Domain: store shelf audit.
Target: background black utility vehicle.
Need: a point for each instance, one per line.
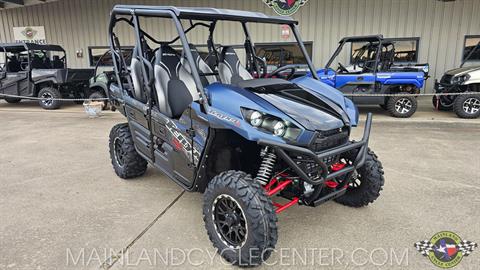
(242, 141)
(34, 70)
(464, 79)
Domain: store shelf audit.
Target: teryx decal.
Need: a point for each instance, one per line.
(224, 117)
(182, 143)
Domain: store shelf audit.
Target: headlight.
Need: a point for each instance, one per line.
(279, 129)
(256, 119)
(460, 79)
(271, 124)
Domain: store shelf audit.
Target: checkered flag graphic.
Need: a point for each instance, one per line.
(269, 2)
(424, 247)
(466, 247)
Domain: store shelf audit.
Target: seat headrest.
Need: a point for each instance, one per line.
(167, 55)
(228, 55)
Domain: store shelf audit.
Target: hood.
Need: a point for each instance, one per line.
(308, 108)
(462, 70)
(325, 91)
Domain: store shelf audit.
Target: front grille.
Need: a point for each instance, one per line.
(446, 79)
(330, 139)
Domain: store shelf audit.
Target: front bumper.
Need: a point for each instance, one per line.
(361, 147)
(445, 87)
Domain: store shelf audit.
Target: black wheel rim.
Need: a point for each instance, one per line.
(471, 105)
(47, 99)
(118, 152)
(356, 181)
(229, 220)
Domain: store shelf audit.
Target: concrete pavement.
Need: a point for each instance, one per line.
(64, 208)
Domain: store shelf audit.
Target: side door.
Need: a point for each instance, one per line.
(137, 114)
(137, 109)
(363, 86)
(14, 83)
(3, 76)
(174, 150)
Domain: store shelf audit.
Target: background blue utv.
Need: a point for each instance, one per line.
(232, 131)
(373, 71)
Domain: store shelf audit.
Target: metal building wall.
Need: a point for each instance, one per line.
(441, 26)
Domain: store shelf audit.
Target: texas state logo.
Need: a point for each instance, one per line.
(285, 7)
(445, 249)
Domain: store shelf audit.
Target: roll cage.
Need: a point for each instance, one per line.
(203, 17)
(30, 48)
(373, 39)
(470, 54)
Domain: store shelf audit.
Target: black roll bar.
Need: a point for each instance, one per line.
(188, 30)
(304, 51)
(344, 40)
(470, 54)
(167, 13)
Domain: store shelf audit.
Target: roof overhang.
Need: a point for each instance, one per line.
(7, 4)
(371, 38)
(202, 14)
(18, 47)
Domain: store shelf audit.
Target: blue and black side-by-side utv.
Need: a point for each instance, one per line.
(230, 130)
(373, 72)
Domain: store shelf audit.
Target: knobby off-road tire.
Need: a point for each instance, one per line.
(402, 107)
(467, 106)
(438, 101)
(13, 100)
(367, 183)
(234, 202)
(126, 162)
(49, 93)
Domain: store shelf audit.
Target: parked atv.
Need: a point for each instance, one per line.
(242, 141)
(460, 80)
(373, 73)
(101, 80)
(33, 70)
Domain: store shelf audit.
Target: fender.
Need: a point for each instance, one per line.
(100, 85)
(401, 78)
(474, 77)
(52, 80)
(403, 82)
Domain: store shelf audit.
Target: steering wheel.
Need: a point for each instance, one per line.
(24, 66)
(260, 66)
(366, 67)
(342, 68)
(278, 71)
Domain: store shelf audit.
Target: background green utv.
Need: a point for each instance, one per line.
(99, 84)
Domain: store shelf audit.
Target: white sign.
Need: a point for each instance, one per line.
(32, 34)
